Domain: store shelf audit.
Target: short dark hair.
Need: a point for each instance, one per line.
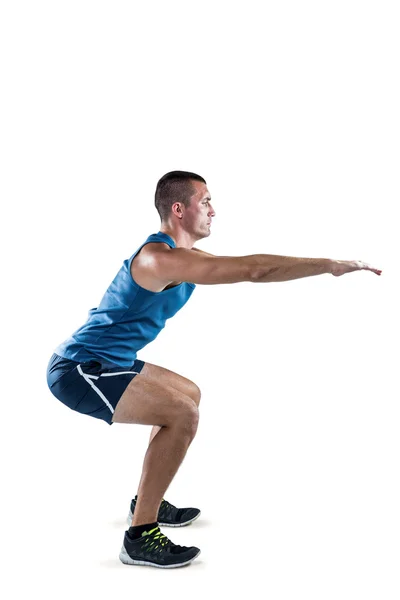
(175, 186)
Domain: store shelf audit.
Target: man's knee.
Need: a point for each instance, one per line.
(190, 419)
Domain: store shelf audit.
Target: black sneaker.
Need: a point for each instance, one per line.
(169, 515)
(154, 549)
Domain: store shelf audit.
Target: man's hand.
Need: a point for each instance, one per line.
(340, 267)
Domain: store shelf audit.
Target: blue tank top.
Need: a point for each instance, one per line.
(127, 318)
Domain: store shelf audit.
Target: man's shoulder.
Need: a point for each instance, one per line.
(143, 266)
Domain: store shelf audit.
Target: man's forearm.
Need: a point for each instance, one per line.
(271, 267)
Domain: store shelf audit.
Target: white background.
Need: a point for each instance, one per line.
(290, 111)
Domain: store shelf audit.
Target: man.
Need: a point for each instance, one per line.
(95, 370)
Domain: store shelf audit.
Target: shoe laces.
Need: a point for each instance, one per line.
(156, 541)
(159, 537)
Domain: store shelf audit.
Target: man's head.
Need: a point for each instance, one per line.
(184, 202)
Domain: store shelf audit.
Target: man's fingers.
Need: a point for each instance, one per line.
(367, 267)
(377, 271)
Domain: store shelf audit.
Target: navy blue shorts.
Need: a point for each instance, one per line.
(88, 387)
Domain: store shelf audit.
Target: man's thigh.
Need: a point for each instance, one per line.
(165, 377)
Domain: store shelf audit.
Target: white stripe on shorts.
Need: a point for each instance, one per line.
(88, 378)
(110, 374)
(119, 373)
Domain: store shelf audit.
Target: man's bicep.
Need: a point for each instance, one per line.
(182, 264)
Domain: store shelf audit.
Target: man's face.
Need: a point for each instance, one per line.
(197, 217)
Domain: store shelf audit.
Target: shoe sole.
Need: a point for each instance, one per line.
(130, 516)
(127, 560)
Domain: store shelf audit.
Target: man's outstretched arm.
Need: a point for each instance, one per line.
(282, 268)
(183, 264)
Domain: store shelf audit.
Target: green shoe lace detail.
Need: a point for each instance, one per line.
(157, 537)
